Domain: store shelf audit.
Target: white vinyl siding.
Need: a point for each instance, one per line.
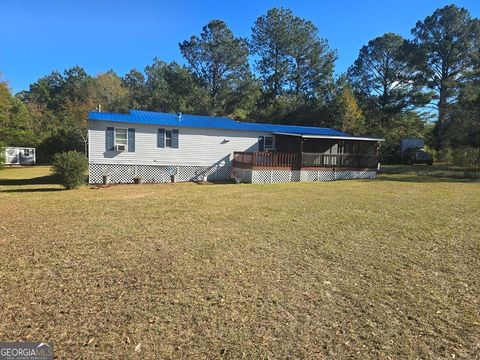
(197, 146)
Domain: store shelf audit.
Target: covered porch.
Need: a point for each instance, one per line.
(303, 151)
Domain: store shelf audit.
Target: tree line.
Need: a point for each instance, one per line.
(427, 86)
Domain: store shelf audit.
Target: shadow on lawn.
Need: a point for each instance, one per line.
(41, 180)
(424, 179)
(31, 190)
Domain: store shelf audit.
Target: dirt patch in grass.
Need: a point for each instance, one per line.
(348, 269)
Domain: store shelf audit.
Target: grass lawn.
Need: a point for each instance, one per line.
(386, 268)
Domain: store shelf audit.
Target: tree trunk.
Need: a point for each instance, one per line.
(442, 113)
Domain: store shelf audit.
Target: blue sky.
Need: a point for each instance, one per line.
(41, 36)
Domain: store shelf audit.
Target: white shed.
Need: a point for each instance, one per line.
(19, 155)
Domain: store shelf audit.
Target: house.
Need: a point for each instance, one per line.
(19, 155)
(154, 146)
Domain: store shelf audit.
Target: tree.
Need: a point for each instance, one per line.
(242, 100)
(46, 91)
(295, 67)
(16, 126)
(172, 88)
(134, 81)
(445, 43)
(383, 78)
(218, 59)
(271, 41)
(58, 104)
(346, 112)
(463, 129)
(5, 103)
(55, 89)
(403, 125)
(109, 91)
(292, 57)
(313, 60)
(75, 85)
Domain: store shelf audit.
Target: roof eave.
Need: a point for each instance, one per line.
(334, 137)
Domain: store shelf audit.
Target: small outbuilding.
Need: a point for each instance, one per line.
(410, 143)
(19, 155)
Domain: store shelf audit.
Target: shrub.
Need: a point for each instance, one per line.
(465, 156)
(443, 155)
(70, 167)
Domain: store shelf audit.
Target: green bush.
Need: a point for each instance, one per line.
(70, 167)
(443, 155)
(465, 156)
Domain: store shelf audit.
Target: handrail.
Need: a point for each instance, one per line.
(267, 159)
(279, 159)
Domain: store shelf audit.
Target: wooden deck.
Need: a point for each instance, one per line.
(251, 160)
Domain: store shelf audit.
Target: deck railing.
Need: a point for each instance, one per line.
(267, 159)
(297, 160)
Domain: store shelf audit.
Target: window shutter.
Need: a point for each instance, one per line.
(175, 138)
(161, 138)
(109, 139)
(261, 143)
(131, 140)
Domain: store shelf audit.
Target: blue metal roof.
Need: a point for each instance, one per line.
(212, 122)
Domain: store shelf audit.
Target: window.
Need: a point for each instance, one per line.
(26, 152)
(168, 138)
(268, 142)
(121, 136)
(265, 143)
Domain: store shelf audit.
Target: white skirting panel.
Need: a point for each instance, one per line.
(244, 175)
(124, 174)
(120, 174)
(266, 176)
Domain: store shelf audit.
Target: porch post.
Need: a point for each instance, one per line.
(301, 153)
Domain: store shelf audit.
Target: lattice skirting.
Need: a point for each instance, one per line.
(244, 175)
(120, 174)
(321, 175)
(275, 176)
